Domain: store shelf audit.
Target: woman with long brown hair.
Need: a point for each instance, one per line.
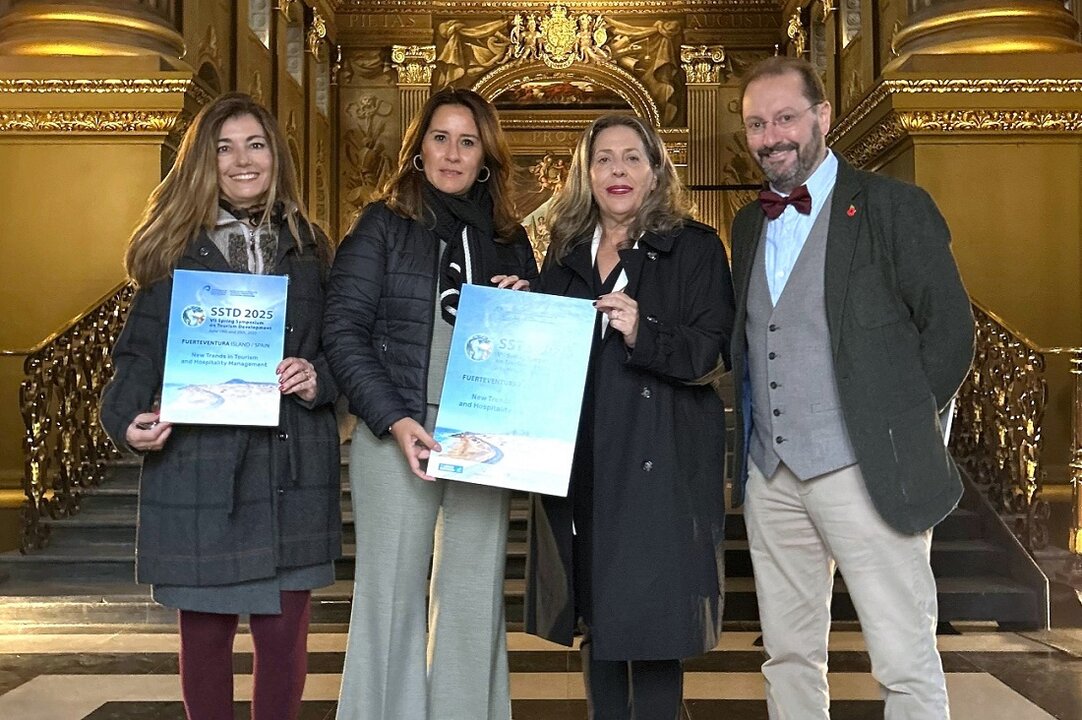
(232, 520)
(445, 219)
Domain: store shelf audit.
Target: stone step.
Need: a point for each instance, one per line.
(100, 600)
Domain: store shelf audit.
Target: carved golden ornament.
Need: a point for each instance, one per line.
(84, 86)
(77, 121)
(487, 7)
(947, 86)
(317, 33)
(797, 34)
(559, 38)
(65, 446)
(897, 125)
(828, 8)
(702, 63)
(286, 8)
(551, 173)
(414, 63)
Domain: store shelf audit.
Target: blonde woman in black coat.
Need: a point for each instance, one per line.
(631, 556)
(232, 520)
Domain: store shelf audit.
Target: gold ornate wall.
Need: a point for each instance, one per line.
(93, 100)
(550, 69)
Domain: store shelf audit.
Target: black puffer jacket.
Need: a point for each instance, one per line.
(377, 328)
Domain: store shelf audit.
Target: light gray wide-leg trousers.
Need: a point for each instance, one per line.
(398, 667)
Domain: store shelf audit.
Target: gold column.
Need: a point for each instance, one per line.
(123, 27)
(987, 26)
(414, 64)
(702, 65)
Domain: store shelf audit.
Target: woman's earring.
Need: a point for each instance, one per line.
(487, 172)
(418, 164)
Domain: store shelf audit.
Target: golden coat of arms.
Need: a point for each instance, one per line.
(559, 38)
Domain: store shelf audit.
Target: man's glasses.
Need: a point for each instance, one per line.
(784, 121)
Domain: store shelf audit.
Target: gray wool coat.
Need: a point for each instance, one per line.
(206, 512)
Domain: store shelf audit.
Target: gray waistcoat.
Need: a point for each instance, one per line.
(796, 413)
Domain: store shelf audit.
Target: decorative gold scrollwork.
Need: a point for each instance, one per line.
(702, 63)
(317, 33)
(797, 34)
(65, 447)
(414, 63)
(559, 38)
(996, 435)
(551, 173)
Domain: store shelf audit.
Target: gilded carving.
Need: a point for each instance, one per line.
(702, 63)
(286, 8)
(366, 64)
(367, 161)
(551, 173)
(897, 125)
(414, 63)
(828, 8)
(469, 51)
(317, 33)
(798, 36)
(322, 191)
(946, 86)
(83, 86)
(647, 52)
(79, 121)
(559, 38)
(624, 7)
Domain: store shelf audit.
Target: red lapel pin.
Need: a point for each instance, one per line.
(851, 211)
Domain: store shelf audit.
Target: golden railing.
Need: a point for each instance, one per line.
(64, 446)
(997, 428)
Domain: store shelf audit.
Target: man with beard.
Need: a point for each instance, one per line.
(853, 331)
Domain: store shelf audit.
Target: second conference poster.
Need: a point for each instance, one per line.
(509, 412)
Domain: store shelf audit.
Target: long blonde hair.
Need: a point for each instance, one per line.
(402, 191)
(186, 201)
(573, 214)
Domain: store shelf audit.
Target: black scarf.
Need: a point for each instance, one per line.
(461, 263)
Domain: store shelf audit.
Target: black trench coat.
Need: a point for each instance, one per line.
(659, 450)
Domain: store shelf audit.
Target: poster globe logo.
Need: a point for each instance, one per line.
(479, 348)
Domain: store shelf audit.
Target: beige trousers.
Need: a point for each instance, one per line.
(798, 533)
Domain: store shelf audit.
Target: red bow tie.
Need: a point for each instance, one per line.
(774, 204)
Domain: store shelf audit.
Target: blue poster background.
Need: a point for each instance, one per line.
(226, 338)
(512, 393)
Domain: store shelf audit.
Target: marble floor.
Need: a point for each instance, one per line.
(117, 675)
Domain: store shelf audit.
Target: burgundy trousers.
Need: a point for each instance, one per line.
(279, 664)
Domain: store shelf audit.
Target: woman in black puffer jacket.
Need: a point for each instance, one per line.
(446, 218)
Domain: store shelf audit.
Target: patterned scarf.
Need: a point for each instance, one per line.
(464, 223)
